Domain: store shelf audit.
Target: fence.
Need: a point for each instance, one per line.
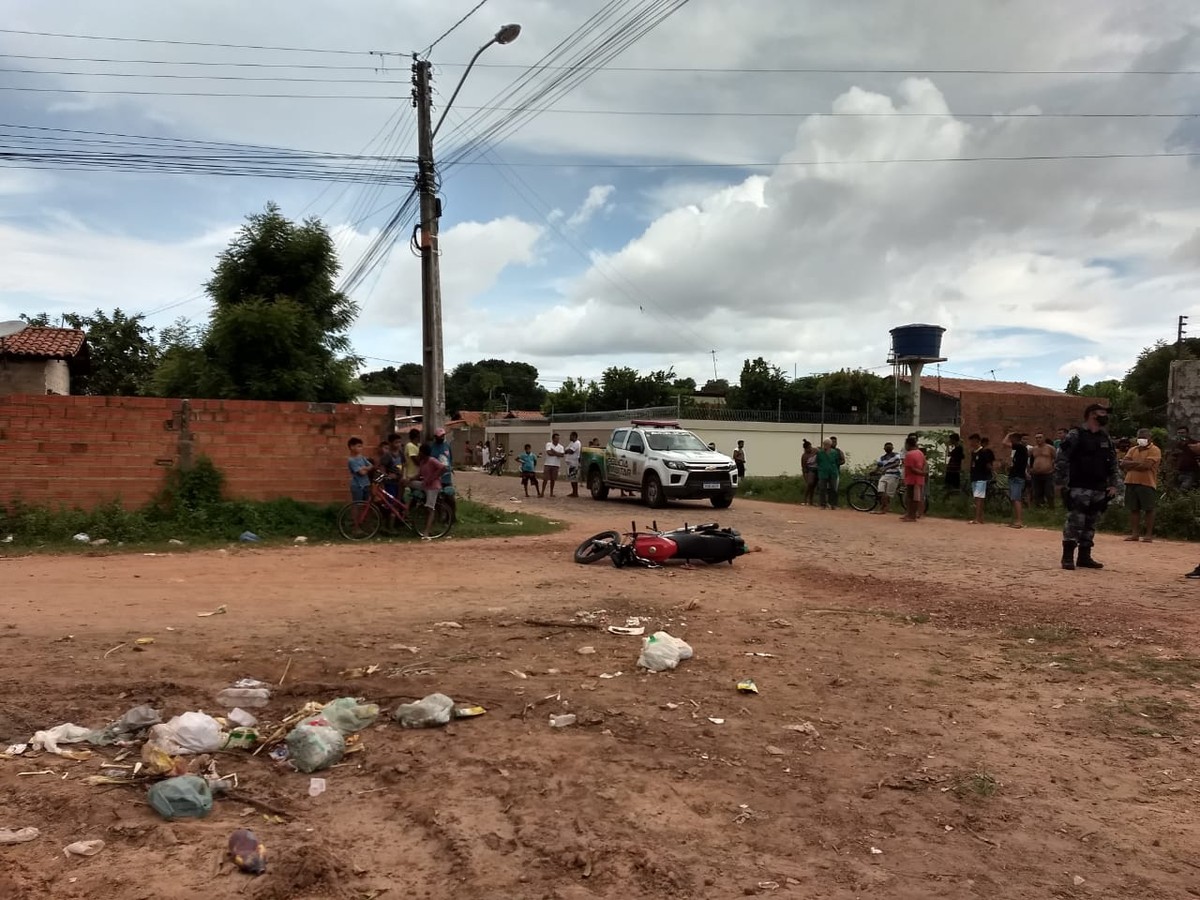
(715, 413)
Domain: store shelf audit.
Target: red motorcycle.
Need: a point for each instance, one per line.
(708, 543)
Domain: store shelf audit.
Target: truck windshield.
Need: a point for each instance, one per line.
(675, 440)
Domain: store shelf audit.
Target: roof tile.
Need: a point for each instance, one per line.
(44, 343)
(955, 387)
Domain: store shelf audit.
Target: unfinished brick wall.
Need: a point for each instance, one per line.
(996, 414)
(83, 451)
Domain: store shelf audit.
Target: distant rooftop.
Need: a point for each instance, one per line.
(44, 343)
(956, 387)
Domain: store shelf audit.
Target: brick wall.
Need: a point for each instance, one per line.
(996, 414)
(82, 451)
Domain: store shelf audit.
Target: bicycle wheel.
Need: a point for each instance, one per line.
(359, 521)
(443, 519)
(862, 495)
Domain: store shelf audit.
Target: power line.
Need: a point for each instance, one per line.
(177, 43)
(393, 98)
(449, 31)
(185, 77)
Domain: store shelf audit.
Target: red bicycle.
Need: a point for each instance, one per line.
(361, 520)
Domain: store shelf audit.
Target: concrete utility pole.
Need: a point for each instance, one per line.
(433, 370)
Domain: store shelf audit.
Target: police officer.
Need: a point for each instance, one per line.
(1086, 472)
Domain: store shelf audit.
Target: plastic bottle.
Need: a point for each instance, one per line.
(248, 852)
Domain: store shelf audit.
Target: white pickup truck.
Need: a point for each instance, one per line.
(663, 462)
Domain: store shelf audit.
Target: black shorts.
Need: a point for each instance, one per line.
(954, 479)
(529, 478)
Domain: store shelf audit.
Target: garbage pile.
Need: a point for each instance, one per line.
(183, 762)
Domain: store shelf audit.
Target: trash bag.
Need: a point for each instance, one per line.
(59, 734)
(347, 715)
(312, 747)
(134, 720)
(662, 651)
(183, 797)
(191, 732)
(434, 710)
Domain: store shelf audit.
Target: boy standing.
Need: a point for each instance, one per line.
(360, 471)
(739, 459)
(528, 461)
(429, 479)
(915, 473)
(391, 471)
(954, 462)
(983, 461)
(572, 460)
(1017, 471)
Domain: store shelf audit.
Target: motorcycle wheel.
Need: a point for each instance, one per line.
(597, 547)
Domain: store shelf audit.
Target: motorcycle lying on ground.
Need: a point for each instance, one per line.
(708, 543)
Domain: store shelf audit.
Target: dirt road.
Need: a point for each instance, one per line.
(943, 713)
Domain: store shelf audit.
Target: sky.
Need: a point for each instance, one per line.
(780, 178)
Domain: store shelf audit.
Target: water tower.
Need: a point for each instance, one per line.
(913, 346)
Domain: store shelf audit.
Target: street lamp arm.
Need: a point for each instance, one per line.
(461, 81)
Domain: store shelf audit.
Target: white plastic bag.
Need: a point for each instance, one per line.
(662, 651)
(436, 709)
(59, 734)
(191, 732)
(18, 836)
(83, 848)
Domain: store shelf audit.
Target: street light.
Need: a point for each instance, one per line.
(433, 380)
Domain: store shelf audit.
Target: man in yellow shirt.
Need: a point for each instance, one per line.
(411, 449)
(1140, 466)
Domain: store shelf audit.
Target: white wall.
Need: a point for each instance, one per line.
(771, 448)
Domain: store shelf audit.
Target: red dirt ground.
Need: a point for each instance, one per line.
(993, 726)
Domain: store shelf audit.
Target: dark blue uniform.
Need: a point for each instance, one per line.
(1084, 469)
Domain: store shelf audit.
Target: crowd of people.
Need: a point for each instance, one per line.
(427, 469)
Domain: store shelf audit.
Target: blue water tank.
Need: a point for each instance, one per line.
(917, 341)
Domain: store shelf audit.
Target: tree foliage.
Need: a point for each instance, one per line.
(279, 328)
(483, 385)
(404, 380)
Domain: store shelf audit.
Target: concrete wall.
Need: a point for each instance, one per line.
(771, 448)
(34, 376)
(1183, 395)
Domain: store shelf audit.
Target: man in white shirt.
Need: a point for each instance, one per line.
(554, 457)
(572, 460)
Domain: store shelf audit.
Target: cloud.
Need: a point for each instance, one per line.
(1091, 369)
(595, 202)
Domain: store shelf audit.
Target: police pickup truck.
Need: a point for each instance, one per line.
(661, 461)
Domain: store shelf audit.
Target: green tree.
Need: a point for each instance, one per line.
(575, 395)
(761, 386)
(483, 385)
(122, 352)
(1072, 386)
(404, 380)
(279, 327)
(1148, 378)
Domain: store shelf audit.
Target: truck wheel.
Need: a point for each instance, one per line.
(652, 492)
(597, 486)
(722, 502)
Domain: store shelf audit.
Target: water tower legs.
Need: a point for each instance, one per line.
(914, 369)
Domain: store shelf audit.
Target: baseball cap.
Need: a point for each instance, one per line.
(440, 432)
(1096, 407)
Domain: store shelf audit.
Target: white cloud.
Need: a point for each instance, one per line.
(1093, 368)
(595, 202)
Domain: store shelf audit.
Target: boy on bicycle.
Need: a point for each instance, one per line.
(429, 480)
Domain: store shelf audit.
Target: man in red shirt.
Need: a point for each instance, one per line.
(914, 479)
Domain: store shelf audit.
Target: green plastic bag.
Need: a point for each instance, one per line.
(348, 716)
(184, 797)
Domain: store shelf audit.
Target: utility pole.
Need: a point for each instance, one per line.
(1179, 336)
(433, 385)
(714, 356)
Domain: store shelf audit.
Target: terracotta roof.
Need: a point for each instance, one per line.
(955, 387)
(44, 343)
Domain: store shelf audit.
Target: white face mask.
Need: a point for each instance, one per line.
(1143, 442)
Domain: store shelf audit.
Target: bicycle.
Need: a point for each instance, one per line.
(863, 495)
(360, 520)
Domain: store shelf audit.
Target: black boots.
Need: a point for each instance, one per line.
(1068, 560)
(1085, 559)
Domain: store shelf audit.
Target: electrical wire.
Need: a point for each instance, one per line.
(177, 43)
(449, 31)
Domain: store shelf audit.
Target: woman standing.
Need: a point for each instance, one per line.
(828, 466)
(808, 466)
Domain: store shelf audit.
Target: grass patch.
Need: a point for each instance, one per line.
(1179, 670)
(783, 489)
(977, 784)
(191, 509)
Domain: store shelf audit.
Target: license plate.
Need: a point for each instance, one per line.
(712, 485)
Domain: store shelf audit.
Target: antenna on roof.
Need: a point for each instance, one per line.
(7, 328)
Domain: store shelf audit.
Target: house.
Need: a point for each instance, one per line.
(995, 408)
(37, 360)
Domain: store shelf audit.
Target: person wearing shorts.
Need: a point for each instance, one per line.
(429, 480)
(572, 460)
(528, 463)
(552, 463)
(983, 460)
(915, 476)
(1018, 472)
(889, 467)
(1140, 466)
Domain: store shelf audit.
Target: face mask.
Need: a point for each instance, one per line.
(1143, 442)
(1101, 420)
